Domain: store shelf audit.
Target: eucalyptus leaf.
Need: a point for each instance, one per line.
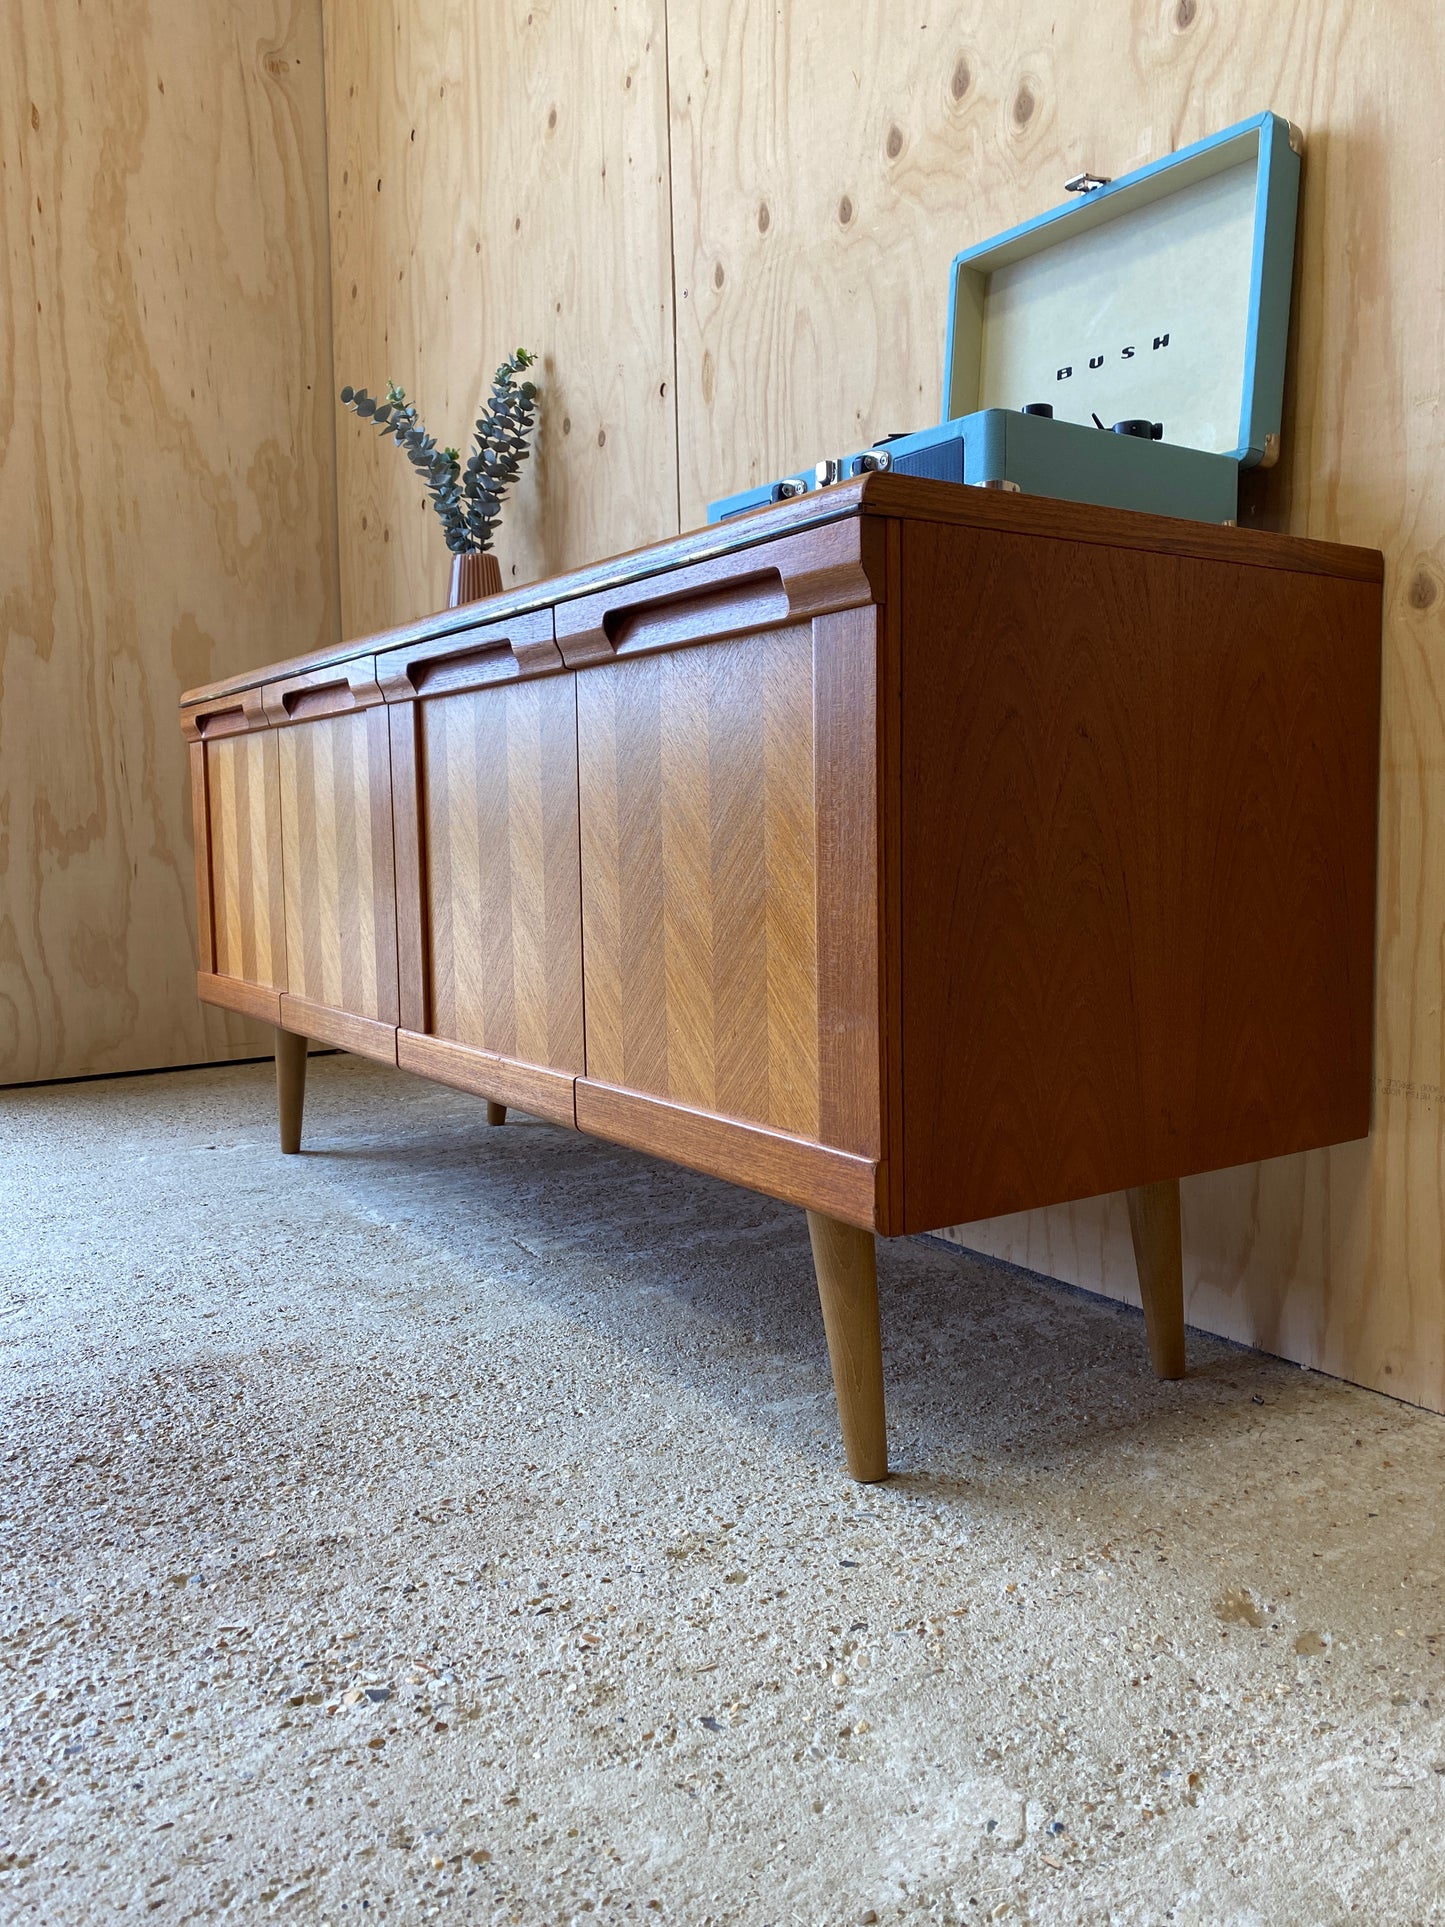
(467, 497)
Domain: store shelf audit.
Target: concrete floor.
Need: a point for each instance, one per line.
(450, 1523)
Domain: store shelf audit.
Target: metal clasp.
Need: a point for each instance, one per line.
(1087, 183)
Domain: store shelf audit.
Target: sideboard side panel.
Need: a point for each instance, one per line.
(1139, 841)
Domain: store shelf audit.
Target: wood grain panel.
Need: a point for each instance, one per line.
(338, 863)
(890, 868)
(166, 482)
(243, 790)
(1138, 921)
(411, 906)
(201, 838)
(499, 175)
(847, 670)
(827, 165)
(699, 837)
(499, 828)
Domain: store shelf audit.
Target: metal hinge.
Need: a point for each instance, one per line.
(1086, 183)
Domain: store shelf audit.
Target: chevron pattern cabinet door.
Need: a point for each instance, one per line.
(338, 864)
(499, 826)
(715, 848)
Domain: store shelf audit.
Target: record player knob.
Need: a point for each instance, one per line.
(1145, 431)
(1043, 408)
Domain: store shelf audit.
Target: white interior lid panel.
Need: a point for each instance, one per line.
(1176, 271)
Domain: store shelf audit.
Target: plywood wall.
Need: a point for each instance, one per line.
(166, 481)
(499, 178)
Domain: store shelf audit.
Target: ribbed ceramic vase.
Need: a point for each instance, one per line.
(473, 577)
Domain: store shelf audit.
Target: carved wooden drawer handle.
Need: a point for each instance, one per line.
(751, 602)
(521, 645)
(335, 691)
(792, 579)
(228, 716)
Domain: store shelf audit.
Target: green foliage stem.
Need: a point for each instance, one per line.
(467, 499)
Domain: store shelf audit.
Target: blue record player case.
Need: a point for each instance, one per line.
(1155, 306)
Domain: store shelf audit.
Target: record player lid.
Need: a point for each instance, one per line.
(1165, 293)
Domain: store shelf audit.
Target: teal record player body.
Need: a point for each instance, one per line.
(1126, 348)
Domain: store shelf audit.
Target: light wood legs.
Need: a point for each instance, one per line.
(845, 1262)
(496, 1113)
(290, 1086)
(1154, 1222)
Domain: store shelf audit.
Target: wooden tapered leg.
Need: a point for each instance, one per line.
(846, 1263)
(496, 1113)
(1154, 1223)
(290, 1086)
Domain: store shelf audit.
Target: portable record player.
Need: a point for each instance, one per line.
(1126, 348)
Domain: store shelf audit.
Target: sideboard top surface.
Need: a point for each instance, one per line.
(892, 496)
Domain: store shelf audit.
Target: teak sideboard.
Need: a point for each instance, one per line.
(910, 853)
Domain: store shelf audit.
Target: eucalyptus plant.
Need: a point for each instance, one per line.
(468, 499)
